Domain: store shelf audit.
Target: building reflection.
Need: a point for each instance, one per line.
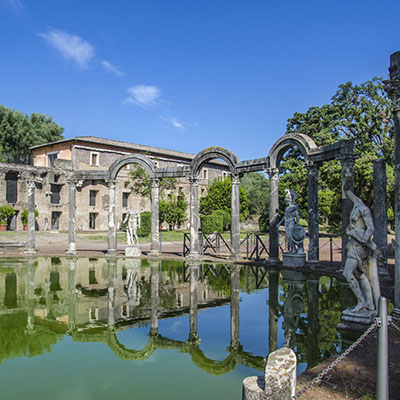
(91, 300)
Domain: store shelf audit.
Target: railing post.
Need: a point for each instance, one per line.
(160, 240)
(247, 247)
(331, 248)
(382, 381)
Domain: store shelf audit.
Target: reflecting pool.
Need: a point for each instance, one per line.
(103, 328)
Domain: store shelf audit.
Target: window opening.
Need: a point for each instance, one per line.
(92, 197)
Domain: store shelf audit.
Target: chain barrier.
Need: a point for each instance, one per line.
(319, 377)
(326, 243)
(392, 323)
(339, 248)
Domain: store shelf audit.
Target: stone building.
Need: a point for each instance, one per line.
(54, 163)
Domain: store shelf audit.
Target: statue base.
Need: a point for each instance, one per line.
(294, 260)
(356, 321)
(133, 251)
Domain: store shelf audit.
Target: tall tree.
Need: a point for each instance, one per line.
(256, 186)
(20, 131)
(359, 112)
(219, 198)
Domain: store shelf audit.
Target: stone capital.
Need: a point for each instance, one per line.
(272, 172)
(31, 183)
(235, 179)
(392, 88)
(72, 183)
(154, 182)
(194, 180)
(111, 183)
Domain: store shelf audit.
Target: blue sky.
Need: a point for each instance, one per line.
(188, 74)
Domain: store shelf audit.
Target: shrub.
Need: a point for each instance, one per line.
(145, 224)
(5, 213)
(226, 218)
(263, 222)
(211, 223)
(24, 215)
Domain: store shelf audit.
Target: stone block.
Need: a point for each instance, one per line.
(294, 260)
(133, 251)
(279, 380)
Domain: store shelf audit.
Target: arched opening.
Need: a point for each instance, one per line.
(291, 152)
(121, 200)
(198, 176)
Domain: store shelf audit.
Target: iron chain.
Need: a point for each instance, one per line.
(391, 322)
(319, 377)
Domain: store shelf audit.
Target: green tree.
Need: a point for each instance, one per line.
(219, 198)
(140, 183)
(172, 209)
(359, 112)
(256, 186)
(20, 131)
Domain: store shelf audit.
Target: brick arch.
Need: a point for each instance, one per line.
(303, 142)
(211, 153)
(145, 162)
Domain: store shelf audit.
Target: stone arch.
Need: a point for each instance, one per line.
(145, 162)
(129, 354)
(211, 153)
(303, 142)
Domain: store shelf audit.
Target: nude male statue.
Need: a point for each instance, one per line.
(360, 269)
(133, 219)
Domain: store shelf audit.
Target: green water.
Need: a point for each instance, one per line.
(100, 329)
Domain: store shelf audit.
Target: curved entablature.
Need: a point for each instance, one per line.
(143, 161)
(212, 153)
(198, 357)
(303, 142)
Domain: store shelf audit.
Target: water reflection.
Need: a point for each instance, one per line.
(92, 300)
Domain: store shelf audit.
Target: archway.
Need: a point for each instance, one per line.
(307, 147)
(149, 167)
(196, 165)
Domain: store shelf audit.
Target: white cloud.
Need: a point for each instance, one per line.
(72, 47)
(175, 123)
(144, 96)
(16, 5)
(112, 68)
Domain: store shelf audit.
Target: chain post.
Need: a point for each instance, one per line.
(335, 362)
(382, 378)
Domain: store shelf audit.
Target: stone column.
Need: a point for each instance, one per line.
(235, 299)
(273, 214)
(235, 216)
(380, 213)
(155, 223)
(30, 295)
(154, 281)
(71, 251)
(313, 321)
(30, 248)
(194, 217)
(194, 284)
(112, 277)
(347, 163)
(71, 294)
(112, 229)
(392, 87)
(313, 215)
(273, 278)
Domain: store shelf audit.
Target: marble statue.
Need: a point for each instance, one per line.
(294, 232)
(133, 220)
(360, 269)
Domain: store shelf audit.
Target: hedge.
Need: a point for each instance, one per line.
(226, 218)
(212, 223)
(145, 224)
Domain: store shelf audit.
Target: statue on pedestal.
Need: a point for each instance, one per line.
(294, 232)
(360, 269)
(133, 223)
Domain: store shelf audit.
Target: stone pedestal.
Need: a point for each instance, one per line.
(133, 251)
(279, 380)
(294, 260)
(356, 321)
